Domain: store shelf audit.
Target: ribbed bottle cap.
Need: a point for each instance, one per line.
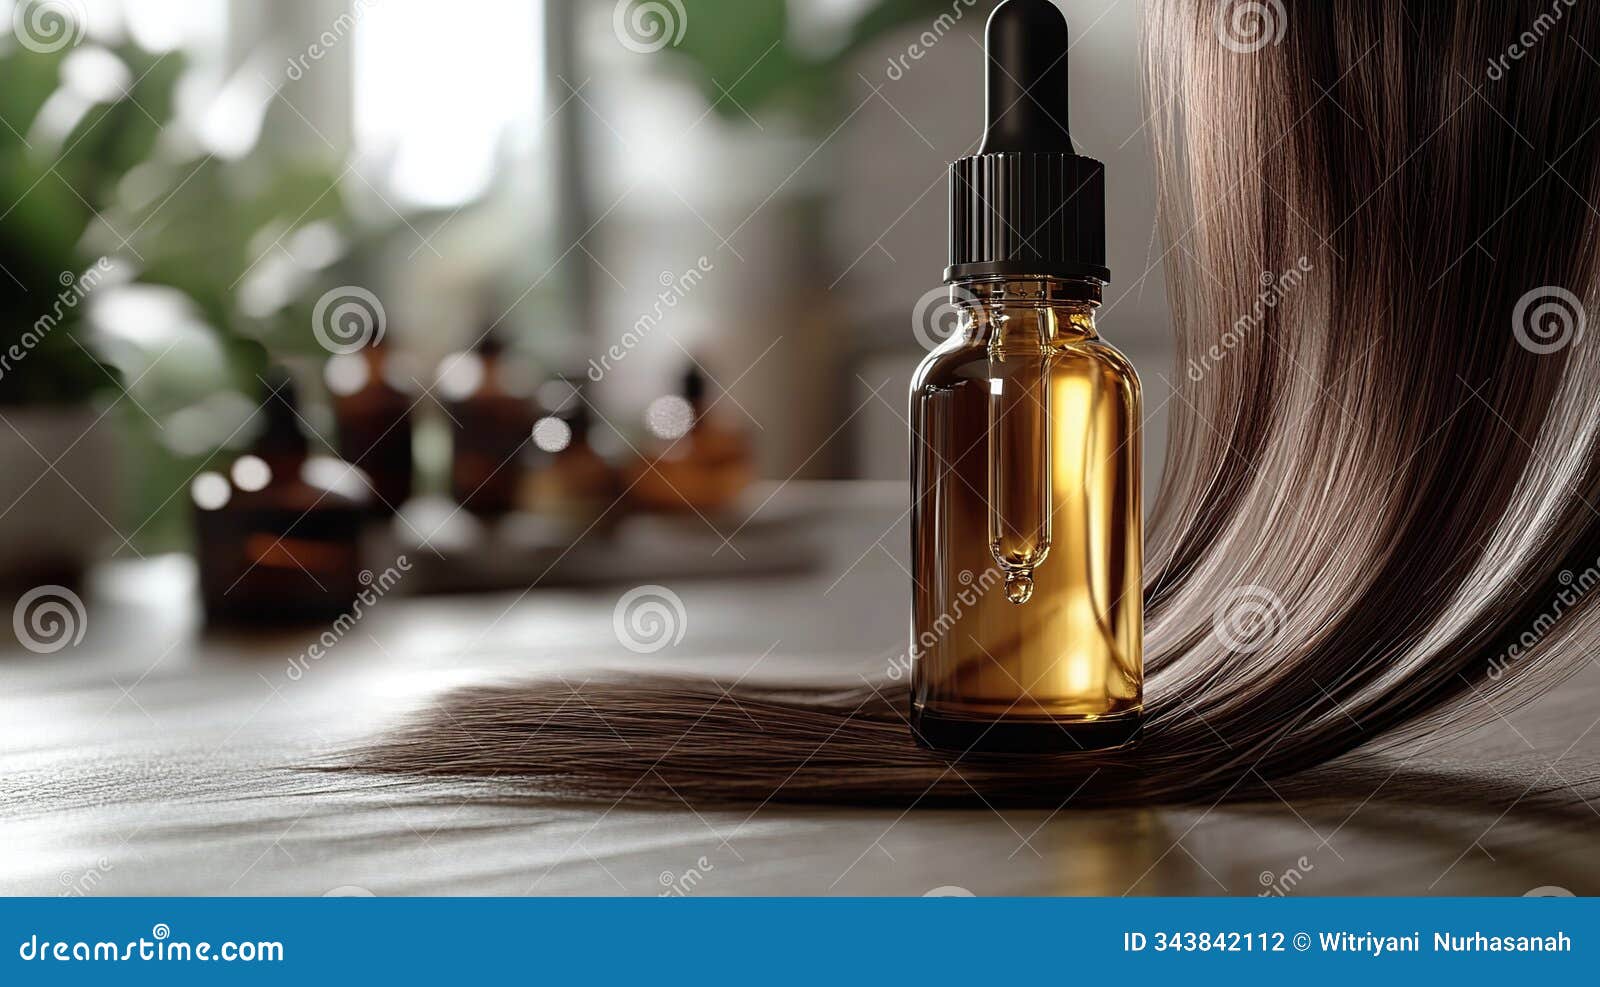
(1025, 204)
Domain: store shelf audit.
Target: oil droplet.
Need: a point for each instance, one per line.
(1019, 586)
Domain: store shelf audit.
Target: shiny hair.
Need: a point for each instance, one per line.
(1378, 515)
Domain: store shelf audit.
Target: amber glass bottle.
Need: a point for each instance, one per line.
(491, 418)
(372, 402)
(569, 480)
(699, 460)
(280, 533)
(1027, 536)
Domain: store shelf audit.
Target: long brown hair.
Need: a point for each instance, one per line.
(1379, 511)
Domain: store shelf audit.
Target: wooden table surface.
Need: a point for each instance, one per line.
(153, 758)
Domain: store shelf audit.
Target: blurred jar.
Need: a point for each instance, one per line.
(695, 461)
(486, 395)
(373, 397)
(570, 479)
(279, 534)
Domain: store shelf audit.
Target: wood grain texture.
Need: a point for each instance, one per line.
(155, 759)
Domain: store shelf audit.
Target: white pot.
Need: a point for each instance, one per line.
(58, 491)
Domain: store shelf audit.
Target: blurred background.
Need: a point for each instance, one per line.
(556, 287)
(353, 351)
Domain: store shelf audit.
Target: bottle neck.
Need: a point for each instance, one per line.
(1042, 310)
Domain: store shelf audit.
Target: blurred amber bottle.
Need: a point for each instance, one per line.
(491, 419)
(279, 534)
(570, 479)
(698, 461)
(372, 404)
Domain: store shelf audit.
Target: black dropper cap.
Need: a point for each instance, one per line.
(281, 434)
(1025, 204)
(694, 385)
(490, 343)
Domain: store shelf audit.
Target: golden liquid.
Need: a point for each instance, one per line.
(1027, 534)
